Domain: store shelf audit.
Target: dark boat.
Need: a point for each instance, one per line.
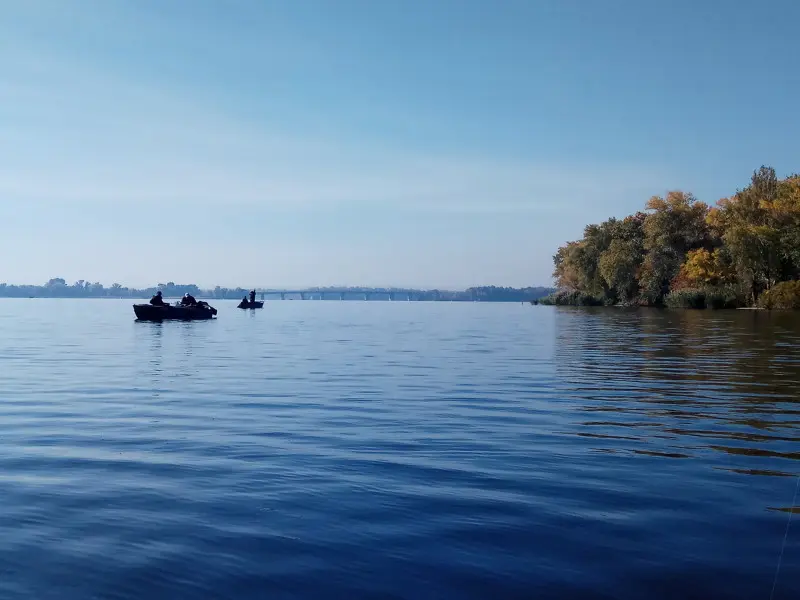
(149, 312)
(248, 304)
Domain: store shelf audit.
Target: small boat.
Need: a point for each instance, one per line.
(248, 304)
(150, 312)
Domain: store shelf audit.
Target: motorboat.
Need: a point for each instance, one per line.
(174, 312)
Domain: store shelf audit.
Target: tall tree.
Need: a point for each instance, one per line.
(621, 263)
(674, 225)
(750, 232)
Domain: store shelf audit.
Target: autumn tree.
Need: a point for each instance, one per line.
(786, 218)
(750, 232)
(567, 272)
(704, 268)
(674, 225)
(620, 263)
(577, 263)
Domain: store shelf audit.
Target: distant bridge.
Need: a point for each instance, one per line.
(348, 293)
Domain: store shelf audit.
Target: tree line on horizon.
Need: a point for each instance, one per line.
(680, 252)
(59, 288)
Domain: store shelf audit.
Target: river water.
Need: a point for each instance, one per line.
(397, 450)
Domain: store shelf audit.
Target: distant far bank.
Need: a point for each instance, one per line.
(58, 288)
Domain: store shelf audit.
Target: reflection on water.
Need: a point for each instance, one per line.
(711, 400)
(397, 450)
(682, 384)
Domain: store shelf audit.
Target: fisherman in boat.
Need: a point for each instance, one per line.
(188, 300)
(252, 296)
(157, 300)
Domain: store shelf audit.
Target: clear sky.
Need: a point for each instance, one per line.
(431, 143)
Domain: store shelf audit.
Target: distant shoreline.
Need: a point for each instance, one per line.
(57, 288)
(211, 298)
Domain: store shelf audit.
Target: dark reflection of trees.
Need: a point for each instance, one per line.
(671, 383)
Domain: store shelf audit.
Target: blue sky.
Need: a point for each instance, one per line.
(440, 143)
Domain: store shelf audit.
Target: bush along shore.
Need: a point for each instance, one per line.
(682, 253)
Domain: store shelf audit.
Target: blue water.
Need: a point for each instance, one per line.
(397, 450)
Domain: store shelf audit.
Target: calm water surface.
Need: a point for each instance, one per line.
(397, 450)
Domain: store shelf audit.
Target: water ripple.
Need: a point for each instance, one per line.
(396, 450)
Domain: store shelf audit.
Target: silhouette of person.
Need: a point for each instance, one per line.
(157, 300)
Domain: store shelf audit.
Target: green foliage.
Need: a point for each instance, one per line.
(621, 262)
(571, 298)
(686, 298)
(784, 296)
(683, 253)
(709, 297)
(728, 296)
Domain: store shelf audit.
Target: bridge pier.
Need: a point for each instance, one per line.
(391, 296)
(302, 295)
(366, 296)
(283, 296)
(408, 296)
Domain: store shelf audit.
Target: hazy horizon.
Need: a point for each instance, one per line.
(425, 145)
(208, 287)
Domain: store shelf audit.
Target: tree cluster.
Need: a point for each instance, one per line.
(682, 252)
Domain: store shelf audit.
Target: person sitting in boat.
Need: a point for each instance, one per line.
(252, 296)
(157, 300)
(188, 300)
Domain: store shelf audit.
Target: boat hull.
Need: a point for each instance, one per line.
(256, 304)
(148, 312)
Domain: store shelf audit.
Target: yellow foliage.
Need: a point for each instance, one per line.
(705, 268)
(717, 217)
(788, 197)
